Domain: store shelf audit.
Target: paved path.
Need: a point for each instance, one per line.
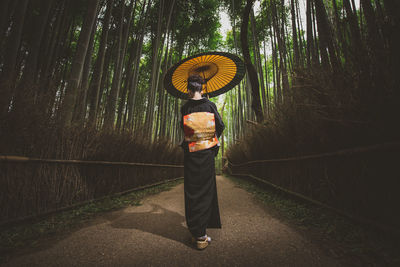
(154, 234)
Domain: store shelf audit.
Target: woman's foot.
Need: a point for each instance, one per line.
(202, 242)
(194, 239)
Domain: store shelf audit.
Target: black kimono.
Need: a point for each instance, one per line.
(201, 201)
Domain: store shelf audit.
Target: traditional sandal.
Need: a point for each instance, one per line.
(202, 243)
(194, 239)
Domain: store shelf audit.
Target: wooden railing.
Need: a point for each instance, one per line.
(35, 187)
(359, 183)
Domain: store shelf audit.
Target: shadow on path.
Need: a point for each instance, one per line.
(158, 221)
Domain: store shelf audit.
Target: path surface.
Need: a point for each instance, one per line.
(155, 234)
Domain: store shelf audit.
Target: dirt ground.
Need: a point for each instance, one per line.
(155, 234)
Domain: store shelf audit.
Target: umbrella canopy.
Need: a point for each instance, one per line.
(221, 72)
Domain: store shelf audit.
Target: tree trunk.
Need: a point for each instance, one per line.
(9, 72)
(325, 36)
(256, 103)
(104, 85)
(301, 36)
(283, 53)
(154, 74)
(135, 77)
(357, 46)
(310, 41)
(67, 108)
(4, 16)
(94, 88)
(26, 88)
(123, 106)
(55, 38)
(266, 81)
(257, 58)
(165, 95)
(80, 107)
(49, 81)
(109, 116)
(275, 70)
(374, 38)
(122, 99)
(296, 53)
(160, 114)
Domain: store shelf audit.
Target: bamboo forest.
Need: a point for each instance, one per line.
(311, 129)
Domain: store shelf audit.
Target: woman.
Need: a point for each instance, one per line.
(202, 126)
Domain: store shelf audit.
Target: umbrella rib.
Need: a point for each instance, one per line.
(211, 84)
(212, 57)
(220, 80)
(225, 79)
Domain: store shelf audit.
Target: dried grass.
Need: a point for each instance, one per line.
(326, 113)
(33, 188)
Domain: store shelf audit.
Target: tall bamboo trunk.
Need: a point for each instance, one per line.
(267, 111)
(8, 74)
(135, 77)
(26, 87)
(94, 88)
(67, 108)
(124, 100)
(296, 52)
(4, 16)
(357, 46)
(257, 58)
(124, 88)
(165, 96)
(110, 110)
(310, 41)
(154, 74)
(80, 105)
(256, 103)
(325, 37)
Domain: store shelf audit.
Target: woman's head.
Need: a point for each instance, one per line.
(195, 83)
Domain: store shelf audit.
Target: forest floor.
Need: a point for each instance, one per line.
(154, 233)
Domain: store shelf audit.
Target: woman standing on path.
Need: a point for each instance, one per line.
(202, 126)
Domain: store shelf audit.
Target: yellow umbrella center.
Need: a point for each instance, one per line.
(216, 70)
(205, 69)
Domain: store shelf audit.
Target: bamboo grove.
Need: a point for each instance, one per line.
(83, 80)
(99, 63)
(329, 93)
(327, 76)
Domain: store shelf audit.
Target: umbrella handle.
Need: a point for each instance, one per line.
(208, 96)
(205, 85)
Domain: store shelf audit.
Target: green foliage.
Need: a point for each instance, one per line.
(196, 25)
(235, 8)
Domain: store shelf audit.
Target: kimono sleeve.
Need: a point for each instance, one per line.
(219, 124)
(183, 143)
(181, 118)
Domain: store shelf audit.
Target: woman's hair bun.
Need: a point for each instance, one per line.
(195, 83)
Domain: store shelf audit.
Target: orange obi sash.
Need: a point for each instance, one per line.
(199, 128)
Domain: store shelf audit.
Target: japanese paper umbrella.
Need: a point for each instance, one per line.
(221, 72)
